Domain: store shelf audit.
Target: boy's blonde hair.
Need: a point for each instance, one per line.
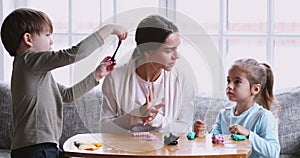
(19, 22)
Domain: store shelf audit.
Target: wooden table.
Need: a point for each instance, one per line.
(125, 145)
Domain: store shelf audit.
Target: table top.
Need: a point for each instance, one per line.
(126, 145)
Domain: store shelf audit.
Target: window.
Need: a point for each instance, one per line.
(267, 30)
(247, 16)
(226, 30)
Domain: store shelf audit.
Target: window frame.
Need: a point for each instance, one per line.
(222, 35)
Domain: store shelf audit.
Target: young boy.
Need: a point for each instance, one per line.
(37, 98)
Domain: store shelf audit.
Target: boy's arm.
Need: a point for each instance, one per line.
(76, 91)
(41, 62)
(71, 93)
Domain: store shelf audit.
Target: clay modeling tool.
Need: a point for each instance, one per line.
(113, 57)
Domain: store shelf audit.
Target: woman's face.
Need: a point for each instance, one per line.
(166, 55)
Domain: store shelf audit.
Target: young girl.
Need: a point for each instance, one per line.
(250, 85)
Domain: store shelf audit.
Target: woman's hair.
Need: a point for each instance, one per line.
(151, 32)
(260, 73)
(19, 22)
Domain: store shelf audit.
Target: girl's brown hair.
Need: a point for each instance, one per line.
(260, 73)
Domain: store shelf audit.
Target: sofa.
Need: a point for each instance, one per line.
(82, 116)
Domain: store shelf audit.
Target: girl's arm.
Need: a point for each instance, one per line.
(265, 141)
(217, 129)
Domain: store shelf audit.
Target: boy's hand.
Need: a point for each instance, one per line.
(120, 31)
(104, 68)
(113, 29)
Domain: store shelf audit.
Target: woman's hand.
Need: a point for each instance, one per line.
(149, 110)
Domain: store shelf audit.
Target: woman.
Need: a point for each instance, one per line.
(150, 92)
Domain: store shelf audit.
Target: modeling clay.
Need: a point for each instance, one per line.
(139, 134)
(238, 137)
(191, 135)
(217, 138)
(87, 146)
(144, 135)
(171, 139)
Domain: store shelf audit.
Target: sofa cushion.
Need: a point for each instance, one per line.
(207, 107)
(4, 153)
(5, 116)
(289, 117)
(82, 116)
(288, 156)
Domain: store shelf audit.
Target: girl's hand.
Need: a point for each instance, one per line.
(238, 129)
(104, 68)
(200, 127)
